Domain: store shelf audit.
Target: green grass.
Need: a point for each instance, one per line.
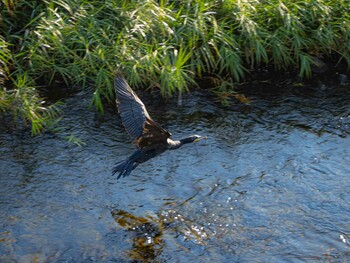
(164, 44)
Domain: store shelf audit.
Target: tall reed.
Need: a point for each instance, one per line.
(165, 44)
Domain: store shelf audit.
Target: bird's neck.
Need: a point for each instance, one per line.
(186, 140)
(177, 144)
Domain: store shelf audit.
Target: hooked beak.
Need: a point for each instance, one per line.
(200, 138)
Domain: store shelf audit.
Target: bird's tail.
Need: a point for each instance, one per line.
(124, 168)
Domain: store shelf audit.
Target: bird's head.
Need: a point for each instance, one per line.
(189, 139)
(197, 138)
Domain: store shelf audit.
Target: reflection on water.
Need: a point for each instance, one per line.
(147, 238)
(270, 185)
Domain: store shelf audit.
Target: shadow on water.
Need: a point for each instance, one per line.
(270, 185)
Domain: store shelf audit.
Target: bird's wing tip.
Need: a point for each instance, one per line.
(118, 75)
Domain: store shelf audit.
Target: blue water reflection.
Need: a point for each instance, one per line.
(270, 185)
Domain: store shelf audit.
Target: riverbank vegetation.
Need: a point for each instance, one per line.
(164, 44)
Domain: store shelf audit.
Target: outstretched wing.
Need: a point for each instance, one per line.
(136, 120)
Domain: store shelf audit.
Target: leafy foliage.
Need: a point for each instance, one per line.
(167, 44)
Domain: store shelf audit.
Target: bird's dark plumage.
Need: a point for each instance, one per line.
(150, 138)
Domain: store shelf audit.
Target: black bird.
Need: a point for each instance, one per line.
(150, 138)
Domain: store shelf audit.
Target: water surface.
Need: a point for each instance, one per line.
(272, 184)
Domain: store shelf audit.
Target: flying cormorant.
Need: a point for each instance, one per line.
(149, 137)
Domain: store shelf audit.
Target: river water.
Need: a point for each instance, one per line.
(271, 184)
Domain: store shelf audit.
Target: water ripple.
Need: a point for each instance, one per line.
(270, 184)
